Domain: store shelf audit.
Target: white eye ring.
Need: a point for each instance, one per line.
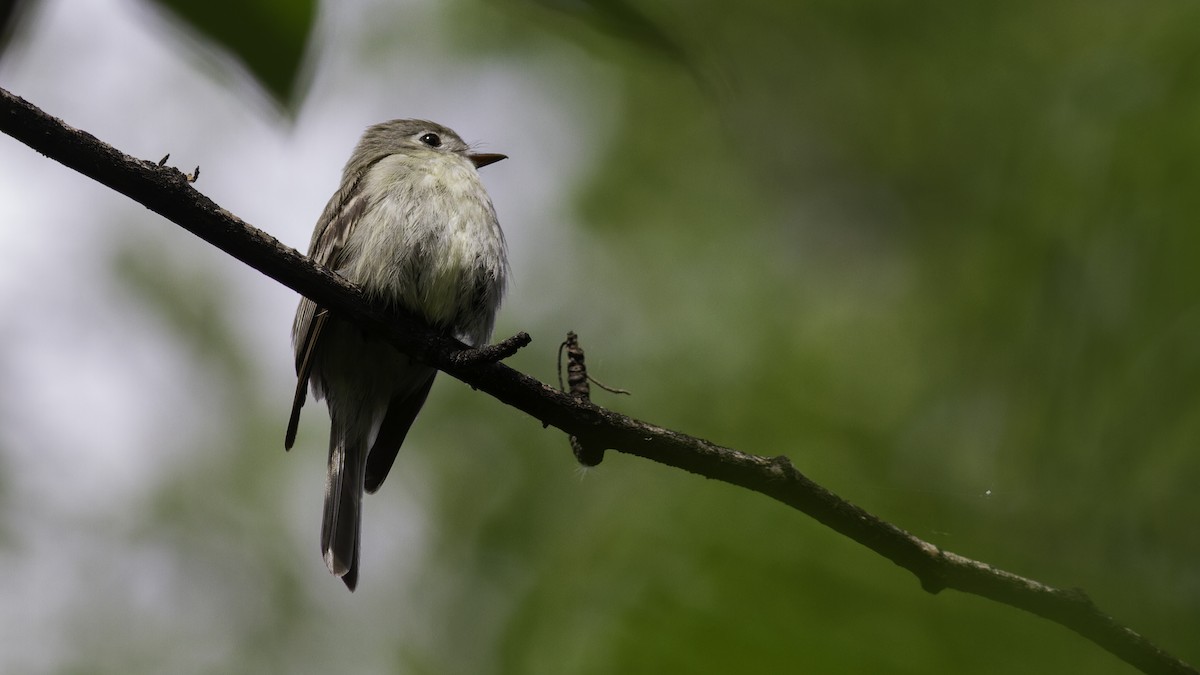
(431, 139)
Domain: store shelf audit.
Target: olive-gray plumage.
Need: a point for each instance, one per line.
(412, 225)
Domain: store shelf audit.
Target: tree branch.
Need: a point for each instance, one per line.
(166, 191)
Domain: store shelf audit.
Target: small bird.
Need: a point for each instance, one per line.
(413, 227)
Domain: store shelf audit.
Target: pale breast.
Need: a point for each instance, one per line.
(431, 243)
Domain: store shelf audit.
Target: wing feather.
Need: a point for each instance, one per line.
(327, 248)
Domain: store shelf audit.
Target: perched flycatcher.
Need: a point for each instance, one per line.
(413, 227)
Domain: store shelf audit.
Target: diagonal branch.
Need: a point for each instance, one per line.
(166, 191)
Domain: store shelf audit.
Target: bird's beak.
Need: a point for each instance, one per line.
(483, 159)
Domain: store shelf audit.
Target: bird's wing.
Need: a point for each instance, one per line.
(401, 412)
(327, 248)
(306, 346)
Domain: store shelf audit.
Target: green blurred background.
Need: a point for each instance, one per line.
(942, 255)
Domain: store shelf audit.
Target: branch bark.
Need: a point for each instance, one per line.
(167, 191)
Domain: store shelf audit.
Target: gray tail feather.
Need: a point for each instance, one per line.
(340, 527)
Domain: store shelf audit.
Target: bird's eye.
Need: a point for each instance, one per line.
(432, 140)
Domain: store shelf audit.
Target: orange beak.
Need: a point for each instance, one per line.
(483, 159)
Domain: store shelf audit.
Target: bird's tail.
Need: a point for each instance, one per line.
(343, 501)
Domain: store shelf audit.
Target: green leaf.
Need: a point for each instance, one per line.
(12, 17)
(268, 37)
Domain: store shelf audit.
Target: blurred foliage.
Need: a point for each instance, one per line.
(623, 21)
(940, 254)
